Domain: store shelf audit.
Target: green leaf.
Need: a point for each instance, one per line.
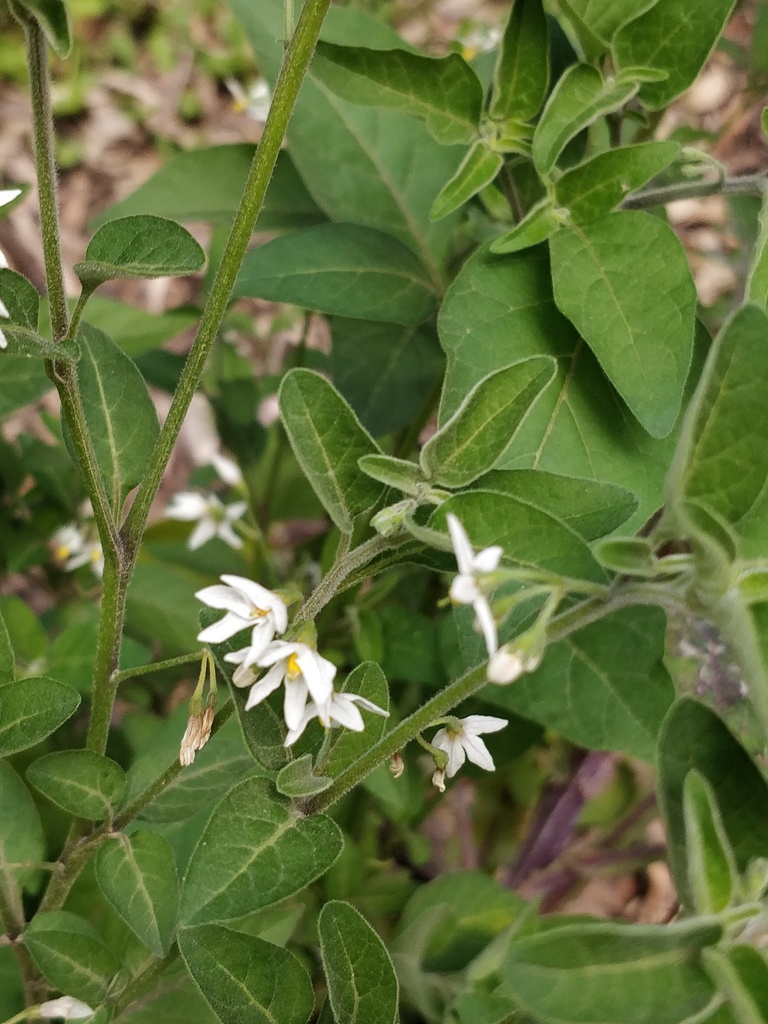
(603, 973)
(585, 42)
(478, 169)
(639, 325)
(137, 875)
(20, 298)
(694, 738)
(53, 18)
(498, 311)
(539, 223)
(528, 535)
(599, 184)
(21, 837)
(208, 184)
(244, 979)
(741, 974)
(367, 680)
(22, 380)
(756, 290)
(711, 867)
(675, 36)
(362, 984)
(71, 955)
(342, 269)
(82, 782)
(372, 362)
(139, 246)
(605, 687)
(578, 99)
(606, 19)
(7, 661)
(722, 459)
(119, 413)
(24, 342)
(590, 507)
(630, 556)
(31, 709)
(298, 779)
(478, 434)
(405, 476)
(521, 74)
(255, 850)
(359, 162)
(328, 440)
(444, 91)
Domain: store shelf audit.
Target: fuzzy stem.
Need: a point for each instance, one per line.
(297, 58)
(749, 184)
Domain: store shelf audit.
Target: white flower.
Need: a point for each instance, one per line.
(465, 588)
(466, 743)
(339, 709)
(213, 518)
(74, 546)
(510, 662)
(255, 102)
(247, 604)
(304, 672)
(64, 1008)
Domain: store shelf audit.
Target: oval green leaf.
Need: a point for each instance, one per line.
(539, 223)
(521, 74)
(640, 326)
(473, 440)
(137, 875)
(328, 440)
(362, 984)
(298, 779)
(21, 837)
(244, 979)
(20, 298)
(31, 709)
(82, 782)
(711, 866)
(71, 955)
(405, 476)
(341, 269)
(139, 246)
(478, 169)
(254, 851)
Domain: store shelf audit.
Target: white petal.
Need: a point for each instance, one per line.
(461, 546)
(505, 666)
(226, 597)
(487, 624)
(227, 469)
(3, 340)
(261, 690)
(367, 704)
(446, 741)
(475, 724)
(7, 195)
(261, 637)
(318, 674)
(295, 702)
(293, 734)
(187, 506)
(257, 596)
(65, 1007)
(278, 650)
(222, 630)
(202, 533)
(236, 657)
(477, 752)
(464, 590)
(235, 510)
(345, 713)
(228, 535)
(487, 560)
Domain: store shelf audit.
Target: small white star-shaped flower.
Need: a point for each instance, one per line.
(466, 743)
(212, 517)
(466, 587)
(339, 709)
(303, 671)
(248, 605)
(255, 102)
(74, 546)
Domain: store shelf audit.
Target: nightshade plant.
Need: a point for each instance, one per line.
(487, 240)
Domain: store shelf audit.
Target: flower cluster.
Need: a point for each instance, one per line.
(306, 676)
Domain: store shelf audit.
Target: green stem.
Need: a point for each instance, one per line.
(108, 642)
(45, 164)
(143, 980)
(297, 58)
(157, 666)
(749, 184)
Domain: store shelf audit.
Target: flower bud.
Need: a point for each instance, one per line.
(396, 764)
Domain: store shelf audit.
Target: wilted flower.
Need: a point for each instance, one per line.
(213, 518)
(396, 764)
(465, 743)
(339, 709)
(438, 779)
(300, 668)
(255, 102)
(247, 604)
(196, 735)
(64, 1008)
(74, 546)
(466, 587)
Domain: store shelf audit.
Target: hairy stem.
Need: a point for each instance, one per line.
(749, 184)
(297, 58)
